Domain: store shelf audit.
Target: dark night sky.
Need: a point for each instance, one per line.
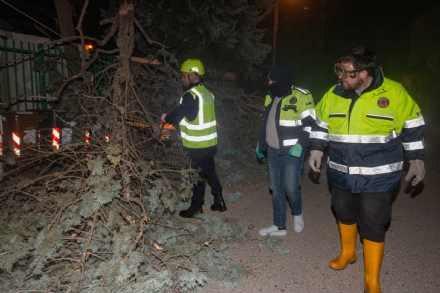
(384, 25)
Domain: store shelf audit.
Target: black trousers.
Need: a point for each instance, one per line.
(204, 158)
(370, 210)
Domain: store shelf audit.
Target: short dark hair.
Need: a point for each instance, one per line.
(361, 57)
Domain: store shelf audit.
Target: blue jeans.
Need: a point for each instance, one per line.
(285, 173)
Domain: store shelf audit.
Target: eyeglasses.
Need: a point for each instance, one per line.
(341, 71)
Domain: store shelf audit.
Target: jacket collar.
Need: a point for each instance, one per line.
(286, 95)
(378, 79)
(192, 86)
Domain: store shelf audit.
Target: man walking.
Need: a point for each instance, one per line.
(284, 137)
(366, 120)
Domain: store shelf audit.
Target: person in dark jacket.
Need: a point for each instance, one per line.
(284, 137)
(367, 121)
(197, 121)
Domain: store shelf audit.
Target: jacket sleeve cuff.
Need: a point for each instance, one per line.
(415, 156)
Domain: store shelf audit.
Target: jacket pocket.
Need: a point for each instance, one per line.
(337, 119)
(380, 120)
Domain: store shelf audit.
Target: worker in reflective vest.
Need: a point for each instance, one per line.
(196, 118)
(283, 139)
(366, 120)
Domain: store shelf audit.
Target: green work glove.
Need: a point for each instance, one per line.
(296, 151)
(260, 155)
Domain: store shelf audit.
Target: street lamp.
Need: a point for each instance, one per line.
(275, 30)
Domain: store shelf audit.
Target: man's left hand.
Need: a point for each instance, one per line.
(296, 151)
(416, 170)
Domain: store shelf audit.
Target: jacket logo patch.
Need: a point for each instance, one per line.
(383, 102)
(419, 113)
(293, 100)
(308, 103)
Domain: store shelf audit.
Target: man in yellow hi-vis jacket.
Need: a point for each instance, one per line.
(366, 120)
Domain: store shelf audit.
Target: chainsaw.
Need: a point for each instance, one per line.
(168, 133)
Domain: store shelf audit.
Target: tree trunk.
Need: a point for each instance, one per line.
(67, 29)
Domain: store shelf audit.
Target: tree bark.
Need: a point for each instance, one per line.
(67, 29)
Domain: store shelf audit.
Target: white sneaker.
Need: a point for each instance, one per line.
(298, 223)
(272, 231)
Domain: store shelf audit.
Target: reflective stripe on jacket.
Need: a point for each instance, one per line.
(202, 131)
(367, 135)
(294, 117)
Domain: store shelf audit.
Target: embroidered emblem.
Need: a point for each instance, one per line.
(383, 102)
(419, 113)
(293, 100)
(308, 103)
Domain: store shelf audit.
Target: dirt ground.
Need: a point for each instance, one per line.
(411, 262)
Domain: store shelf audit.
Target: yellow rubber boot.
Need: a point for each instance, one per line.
(373, 253)
(348, 235)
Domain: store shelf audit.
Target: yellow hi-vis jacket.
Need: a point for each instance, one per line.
(202, 131)
(366, 135)
(294, 117)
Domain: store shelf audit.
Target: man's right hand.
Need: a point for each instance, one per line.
(315, 160)
(162, 118)
(260, 155)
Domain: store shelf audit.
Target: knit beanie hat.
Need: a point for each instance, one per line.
(283, 80)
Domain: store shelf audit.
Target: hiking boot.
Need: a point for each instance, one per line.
(219, 203)
(273, 231)
(193, 210)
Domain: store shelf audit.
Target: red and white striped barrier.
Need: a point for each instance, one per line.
(56, 138)
(16, 143)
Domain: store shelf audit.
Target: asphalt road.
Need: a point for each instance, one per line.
(411, 262)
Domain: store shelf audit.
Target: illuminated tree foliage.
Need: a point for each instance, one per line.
(224, 34)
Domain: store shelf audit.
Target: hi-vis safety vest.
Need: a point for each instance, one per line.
(202, 131)
(293, 118)
(366, 134)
